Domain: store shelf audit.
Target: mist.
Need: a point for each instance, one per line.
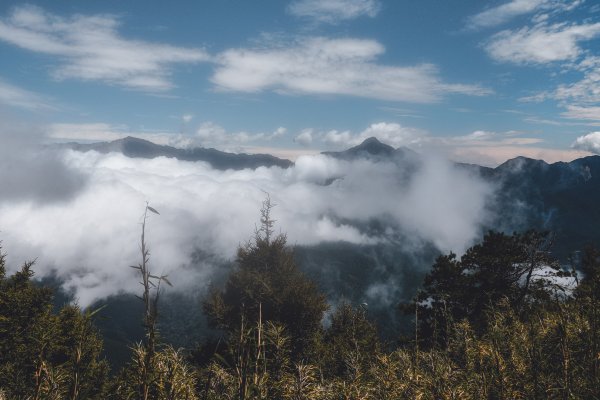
(28, 172)
(86, 230)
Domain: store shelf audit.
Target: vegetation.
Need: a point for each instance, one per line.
(46, 354)
(498, 323)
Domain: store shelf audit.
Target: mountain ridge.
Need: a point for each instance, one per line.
(371, 148)
(141, 148)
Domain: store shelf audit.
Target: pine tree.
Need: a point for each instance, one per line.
(268, 285)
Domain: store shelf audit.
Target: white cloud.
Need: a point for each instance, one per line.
(582, 112)
(89, 241)
(27, 172)
(489, 139)
(390, 133)
(305, 137)
(493, 148)
(584, 91)
(334, 11)
(322, 66)
(589, 142)
(16, 97)
(210, 134)
(503, 13)
(90, 48)
(477, 136)
(541, 44)
(579, 98)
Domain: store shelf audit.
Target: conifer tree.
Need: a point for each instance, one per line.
(267, 285)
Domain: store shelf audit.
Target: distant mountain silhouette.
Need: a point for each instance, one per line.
(140, 148)
(530, 194)
(562, 197)
(373, 149)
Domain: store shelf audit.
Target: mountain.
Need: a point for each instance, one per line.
(374, 150)
(561, 197)
(140, 148)
(530, 194)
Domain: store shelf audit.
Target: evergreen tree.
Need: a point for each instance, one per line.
(350, 342)
(44, 354)
(517, 268)
(268, 286)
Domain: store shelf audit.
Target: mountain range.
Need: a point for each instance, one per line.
(529, 194)
(562, 197)
(140, 148)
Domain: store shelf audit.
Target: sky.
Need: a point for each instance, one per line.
(477, 81)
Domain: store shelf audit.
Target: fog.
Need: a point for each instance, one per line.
(79, 214)
(27, 172)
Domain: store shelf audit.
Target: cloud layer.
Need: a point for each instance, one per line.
(89, 239)
(29, 173)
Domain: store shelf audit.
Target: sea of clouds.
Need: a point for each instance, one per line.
(79, 214)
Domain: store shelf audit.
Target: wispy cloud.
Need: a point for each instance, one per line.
(591, 113)
(334, 11)
(541, 44)
(17, 97)
(390, 133)
(90, 48)
(579, 98)
(207, 134)
(500, 14)
(495, 155)
(492, 148)
(322, 66)
(210, 134)
(584, 93)
(503, 13)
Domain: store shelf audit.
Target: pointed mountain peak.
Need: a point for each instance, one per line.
(370, 141)
(373, 146)
(370, 148)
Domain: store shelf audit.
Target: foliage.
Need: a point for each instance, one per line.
(268, 285)
(517, 269)
(496, 324)
(173, 377)
(350, 342)
(44, 354)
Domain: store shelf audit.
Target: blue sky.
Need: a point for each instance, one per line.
(478, 81)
